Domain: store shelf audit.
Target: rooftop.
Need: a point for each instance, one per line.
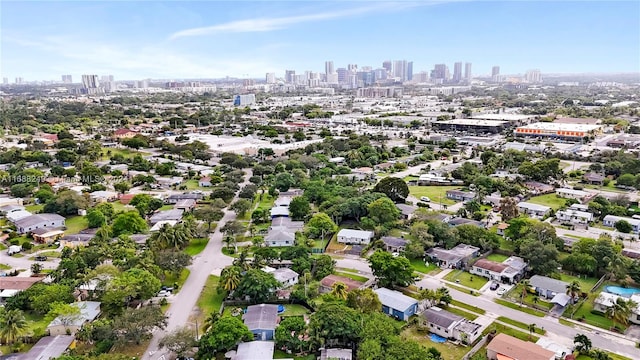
(17, 282)
(441, 317)
(255, 350)
(548, 283)
(517, 349)
(284, 274)
(360, 234)
(395, 299)
(473, 122)
(532, 206)
(490, 265)
(49, 347)
(560, 127)
(89, 310)
(394, 241)
(329, 280)
(263, 316)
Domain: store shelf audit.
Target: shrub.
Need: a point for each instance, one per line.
(14, 241)
(27, 245)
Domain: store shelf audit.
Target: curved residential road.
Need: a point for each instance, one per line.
(210, 260)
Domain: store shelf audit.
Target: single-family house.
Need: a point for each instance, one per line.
(501, 228)
(5, 200)
(11, 285)
(509, 271)
(533, 210)
(457, 221)
(6, 209)
(166, 215)
(286, 277)
(16, 215)
(574, 216)
(406, 211)
(65, 324)
(561, 351)
(394, 244)
(336, 354)
(103, 196)
(397, 304)
(327, 282)
(455, 258)
(185, 204)
(261, 320)
(459, 195)
(38, 221)
(124, 133)
(204, 181)
(611, 220)
(547, 287)
(46, 235)
(449, 326)
(282, 201)
(173, 199)
(48, 347)
(255, 350)
(506, 347)
(572, 194)
(606, 300)
(632, 254)
(282, 232)
(349, 236)
(538, 188)
(279, 211)
(593, 178)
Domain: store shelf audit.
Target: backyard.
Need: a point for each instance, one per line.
(448, 350)
(504, 329)
(584, 314)
(107, 153)
(437, 194)
(420, 266)
(196, 246)
(466, 279)
(551, 200)
(75, 224)
(497, 257)
(586, 283)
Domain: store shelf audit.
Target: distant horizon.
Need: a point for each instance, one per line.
(195, 40)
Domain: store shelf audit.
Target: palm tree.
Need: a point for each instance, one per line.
(582, 343)
(620, 311)
(443, 297)
(532, 329)
(597, 354)
(230, 278)
(573, 290)
(229, 239)
(12, 325)
(339, 290)
(525, 288)
(211, 320)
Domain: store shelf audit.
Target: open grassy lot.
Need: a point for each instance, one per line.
(611, 355)
(466, 279)
(551, 200)
(420, 266)
(192, 184)
(527, 310)
(295, 310)
(75, 224)
(448, 350)
(461, 289)
(507, 245)
(437, 194)
(196, 246)
(210, 300)
(530, 299)
(34, 208)
(5, 267)
(519, 324)
(585, 315)
(499, 328)
(471, 308)
(586, 283)
(107, 153)
(351, 276)
(497, 257)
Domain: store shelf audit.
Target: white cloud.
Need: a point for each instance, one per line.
(270, 24)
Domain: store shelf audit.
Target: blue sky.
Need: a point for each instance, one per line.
(41, 40)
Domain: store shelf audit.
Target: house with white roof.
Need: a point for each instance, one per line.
(572, 194)
(533, 210)
(611, 220)
(397, 304)
(574, 216)
(349, 236)
(606, 300)
(89, 311)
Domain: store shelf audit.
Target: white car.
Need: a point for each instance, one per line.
(395, 254)
(164, 293)
(501, 291)
(425, 199)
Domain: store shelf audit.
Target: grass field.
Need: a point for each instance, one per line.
(497, 257)
(448, 350)
(75, 224)
(461, 289)
(279, 354)
(472, 308)
(192, 184)
(437, 194)
(196, 246)
(586, 283)
(351, 276)
(550, 200)
(466, 279)
(520, 324)
(107, 153)
(210, 300)
(499, 328)
(463, 313)
(172, 279)
(295, 310)
(527, 310)
(584, 314)
(34, 208)
(5, 267)
(420, 266)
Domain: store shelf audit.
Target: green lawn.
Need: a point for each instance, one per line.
(586, 283)
(210, 300)
(34, 208)
(464, 314)
(437, 194)
(448, 350)
(50, 254)
(196, 246)
(497, 257)
(585, 315)
(120, 207)
(351, 276)
(461, 289)
(420, 266)
(530, 299)
(5, 267)
(613, 356)
(3, 246)
(192, 184)
(507, 245)
(172, 279)
(36, 323)
(527, 310)
(520, 324)
(75, 224)
(266, 201)
(466, 279)
(472, 308)
(499, 328)
(166, 207)
(295, 310)
(279, 354)
(107, 153)
(551, 200)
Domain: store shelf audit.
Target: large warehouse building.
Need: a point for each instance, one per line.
(559, 130)
(471, 126)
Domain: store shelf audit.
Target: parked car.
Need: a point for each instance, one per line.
(501, 291)
(425, 199)
(41, 258)
(166, 288)
(164, 293)
(494, 285)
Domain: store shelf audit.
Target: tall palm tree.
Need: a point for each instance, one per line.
(525, 288)
(620, 311)
(532, 329)
(12, 325)
(573, 290)
(339, 290)
(230, 278)
(211, 320)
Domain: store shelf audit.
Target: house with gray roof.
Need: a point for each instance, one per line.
(349, 236)
(38, 221)
(394, 244)
(282, 231)
(397, 304)
(63, 324)
(286, 277)
(173, 199)
(336, 354)
(450, 326)
(166, 215)
(455, 258)
(255, 350)
(48, 347)
(406, 211)
(464, 221)
(547, 287)
(261, 320)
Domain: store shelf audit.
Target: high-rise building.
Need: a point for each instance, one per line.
(352, 67)
(457, 72)
(290, 76)
(106, 78)
(90, 81)
(440, 73)
(67, 79)
(400, 69)
(495, 70)
(410, 71)
(328, 67)
(467, 72)
(5, 80)
(533, 76)
(343, 75)
(387, 65)
(381, 74)
(142, 84)
(270, 78)
(19, 80)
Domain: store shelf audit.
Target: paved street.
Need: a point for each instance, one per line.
(24, 262)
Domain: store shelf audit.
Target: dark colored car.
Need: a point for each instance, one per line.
(41, 258)
(494, 286)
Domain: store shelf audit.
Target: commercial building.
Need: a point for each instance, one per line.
(559, 130)
(474, 126)
(243, 100)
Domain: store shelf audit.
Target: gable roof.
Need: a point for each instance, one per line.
(441, 317)
(548, 283)
(490, 265)
(255, 350)
(358, 234)
(517, 349)
(17, 282)
(261, 317)
(89, 310)
(395, 299)
(49, 347)
(284, 274)
(329, 280)
(280, 233)
(37, 219)
(394, 241)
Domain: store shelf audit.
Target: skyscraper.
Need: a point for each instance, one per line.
(5, 80)
(19, 80)
(440, 73)
(410, 71)
(457, 72)
(400, 69)
(387, 65)
(533, 76)
(467, 72)
(328, 67)
(66, 79)
(290, 76)
(270, 78)
(495, 70)
(343, 75)
(90, 81)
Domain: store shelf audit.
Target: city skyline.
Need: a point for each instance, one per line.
(41, 41)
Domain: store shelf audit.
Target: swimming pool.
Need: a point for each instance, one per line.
(625, 292)
(437, 338)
